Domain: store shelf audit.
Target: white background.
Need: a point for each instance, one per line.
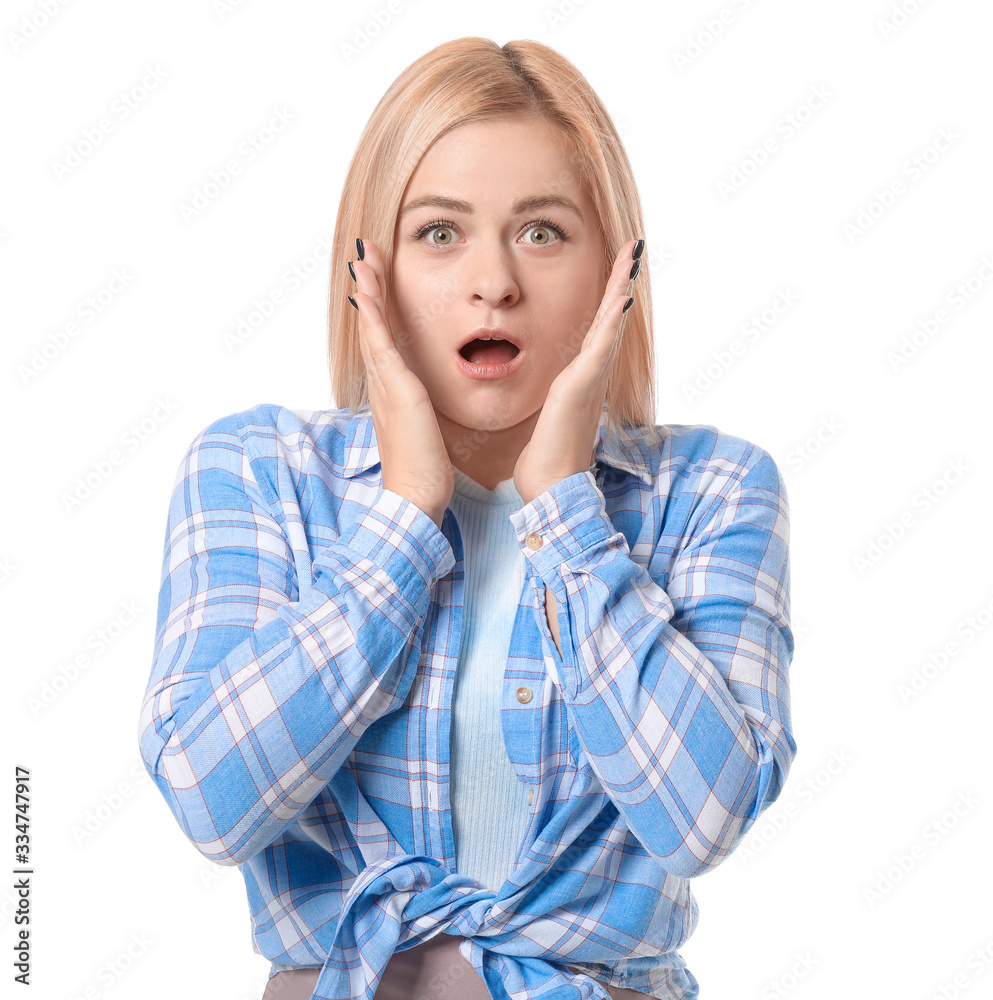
(887, 466)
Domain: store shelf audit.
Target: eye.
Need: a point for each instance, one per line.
(547, 232)
(445, 229)
(446, 235)
(442, 233)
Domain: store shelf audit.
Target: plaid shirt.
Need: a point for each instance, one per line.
(298, 712)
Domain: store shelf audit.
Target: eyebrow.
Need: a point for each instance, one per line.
(520, 207)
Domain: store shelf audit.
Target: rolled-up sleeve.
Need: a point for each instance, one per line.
(260, 685)
(679, 697)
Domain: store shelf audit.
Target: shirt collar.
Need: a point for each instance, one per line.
(618, 449)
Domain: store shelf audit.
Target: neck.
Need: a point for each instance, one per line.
(487, 457)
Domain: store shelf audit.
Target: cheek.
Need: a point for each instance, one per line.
(578, 293)
(421, 299)
(576, 312)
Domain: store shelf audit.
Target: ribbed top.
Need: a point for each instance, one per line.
(489, 801)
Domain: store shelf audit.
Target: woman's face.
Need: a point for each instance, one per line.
(536, 270)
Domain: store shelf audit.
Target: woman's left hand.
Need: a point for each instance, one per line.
(564, 437)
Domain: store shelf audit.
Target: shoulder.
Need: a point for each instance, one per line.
(701, 459)
(274, 449)
(270, 430)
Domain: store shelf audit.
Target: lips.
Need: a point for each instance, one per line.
(492, 333)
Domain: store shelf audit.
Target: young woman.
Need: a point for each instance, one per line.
(472, 674)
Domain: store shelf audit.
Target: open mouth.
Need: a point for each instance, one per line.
(489, 352)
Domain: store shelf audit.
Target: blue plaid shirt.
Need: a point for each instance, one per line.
(298, 712)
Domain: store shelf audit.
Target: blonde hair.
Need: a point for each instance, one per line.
(472, 80)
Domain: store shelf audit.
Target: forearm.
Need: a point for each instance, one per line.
(687, 727)
(242, 726)
(552, 614)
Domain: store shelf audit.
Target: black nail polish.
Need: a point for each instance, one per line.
(351, 271)
(636, 267)
(627, 305)
(639, 249)
(354, 303)
(359, 248)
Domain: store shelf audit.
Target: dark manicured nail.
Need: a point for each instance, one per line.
(359, 248)
(636, 267)
(354, 303)
(351, 271)
(639, 249)
(628, 304)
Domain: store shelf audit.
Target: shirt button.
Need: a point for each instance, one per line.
(534, 541)
(524, 695)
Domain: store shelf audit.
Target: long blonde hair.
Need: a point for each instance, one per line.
(472, 80)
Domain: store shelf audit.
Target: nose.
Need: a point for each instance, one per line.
(491, 276)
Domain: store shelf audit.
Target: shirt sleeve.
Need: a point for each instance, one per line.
(679, 697)
(259, 692)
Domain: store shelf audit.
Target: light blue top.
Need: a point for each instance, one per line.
(489, 801)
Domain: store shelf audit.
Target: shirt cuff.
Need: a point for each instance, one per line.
(397, 536)
(564, 521)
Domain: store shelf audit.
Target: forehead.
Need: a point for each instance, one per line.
(498, 160)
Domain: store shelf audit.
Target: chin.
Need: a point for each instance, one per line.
(499, 415)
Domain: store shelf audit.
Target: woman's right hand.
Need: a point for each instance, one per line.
(415, 461)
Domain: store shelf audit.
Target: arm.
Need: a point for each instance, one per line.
(257, 693)
(679, 697)
(552, 617)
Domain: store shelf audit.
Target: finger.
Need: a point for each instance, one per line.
(606, 338)
(370, 274)
(618, 284)
(605, 328)
(375, 340)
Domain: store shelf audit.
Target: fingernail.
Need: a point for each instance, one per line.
(360, 249)
(354, 303)
(639, 249)
(628, 304)
(351, 271)
(634, 270)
